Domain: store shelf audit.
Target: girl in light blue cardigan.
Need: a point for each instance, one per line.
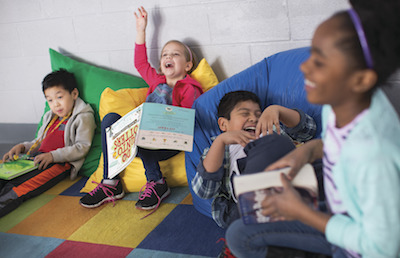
(352, 53)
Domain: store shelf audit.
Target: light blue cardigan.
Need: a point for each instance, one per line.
(367, 176)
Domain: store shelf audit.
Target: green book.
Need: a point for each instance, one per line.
(15, 168)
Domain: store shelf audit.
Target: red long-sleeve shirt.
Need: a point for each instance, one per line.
(185, 91)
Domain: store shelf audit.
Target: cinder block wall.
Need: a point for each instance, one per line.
(231, 34)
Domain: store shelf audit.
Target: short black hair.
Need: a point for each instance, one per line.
(231, 99)
(381, 24)
(61, 78)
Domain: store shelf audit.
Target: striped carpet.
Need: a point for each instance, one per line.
(53, 224)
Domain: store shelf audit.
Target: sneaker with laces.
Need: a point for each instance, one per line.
(152, 196)
(101, 194)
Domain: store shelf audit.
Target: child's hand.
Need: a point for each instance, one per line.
(284, 205)
(237, 137)
(16, 150)
(141, 19)
(215, 156)
(269, 118)
(43, 160)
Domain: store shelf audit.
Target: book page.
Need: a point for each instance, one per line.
(121, 145)
(265, 179)
(166, 127)
(12, 169)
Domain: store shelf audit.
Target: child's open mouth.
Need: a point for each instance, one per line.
(250, 129)
(309, 83)
(168, 65)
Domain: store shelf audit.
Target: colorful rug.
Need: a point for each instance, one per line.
(53, 224)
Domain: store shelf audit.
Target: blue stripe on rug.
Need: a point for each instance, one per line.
(14, 245)
(185, 231)
(74, 190)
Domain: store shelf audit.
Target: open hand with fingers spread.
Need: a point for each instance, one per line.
(268, 120)
(141, 24)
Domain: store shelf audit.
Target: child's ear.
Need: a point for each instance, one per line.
(365, 80)
(188, 66)
(75, 93)
(223, 123)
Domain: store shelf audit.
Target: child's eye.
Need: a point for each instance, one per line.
(318, 63)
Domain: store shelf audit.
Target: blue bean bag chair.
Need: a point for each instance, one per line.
(276, 80)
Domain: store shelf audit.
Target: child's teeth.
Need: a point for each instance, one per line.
(309, 83)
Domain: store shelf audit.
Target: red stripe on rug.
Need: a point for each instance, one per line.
(81, 249)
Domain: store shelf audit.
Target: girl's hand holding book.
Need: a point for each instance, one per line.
(284, 205)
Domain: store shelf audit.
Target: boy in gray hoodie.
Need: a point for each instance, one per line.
(62, 142)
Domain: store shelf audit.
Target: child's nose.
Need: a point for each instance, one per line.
(253, 118)
(304, 66)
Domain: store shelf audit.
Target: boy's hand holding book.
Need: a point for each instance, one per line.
(15, 151)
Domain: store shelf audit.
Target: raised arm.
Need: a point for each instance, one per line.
(141, 23)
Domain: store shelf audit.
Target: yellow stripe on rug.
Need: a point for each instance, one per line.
(59, 218)
(121, 225)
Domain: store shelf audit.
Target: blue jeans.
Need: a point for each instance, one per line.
(107, 121)
(150, 158)
(253, 240)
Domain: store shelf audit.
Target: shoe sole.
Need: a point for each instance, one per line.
(108, 199)
(165, 195)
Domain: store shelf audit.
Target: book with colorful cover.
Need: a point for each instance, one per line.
(251, 190)
(12, 169)
(151, 126)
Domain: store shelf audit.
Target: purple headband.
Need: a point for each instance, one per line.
(190, 52)
(361, 37)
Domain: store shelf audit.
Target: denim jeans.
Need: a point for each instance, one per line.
(253, 240)
(107, 121)
(150, 158)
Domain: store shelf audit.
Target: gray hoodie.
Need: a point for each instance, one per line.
(78, 135)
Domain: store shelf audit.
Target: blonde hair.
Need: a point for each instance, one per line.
(189, 54)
